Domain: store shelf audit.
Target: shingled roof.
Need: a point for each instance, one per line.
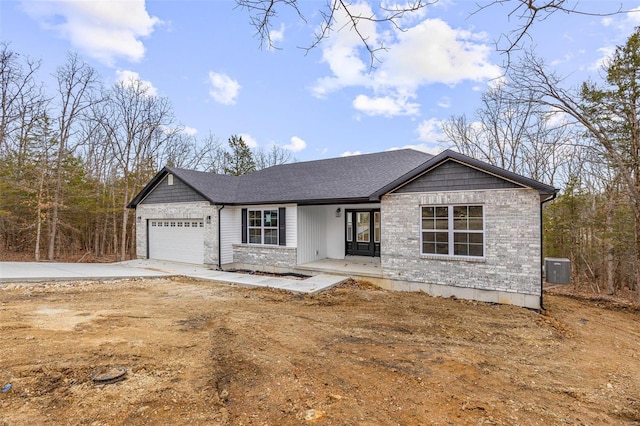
(344, 179)
(359, 178)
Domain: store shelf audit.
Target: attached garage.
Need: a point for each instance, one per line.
(176, 240)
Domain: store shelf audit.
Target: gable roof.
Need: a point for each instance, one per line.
(346, 179)
(546, 191)
(359, 178)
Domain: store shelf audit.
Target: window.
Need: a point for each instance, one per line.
(453, 230)
(169, 179)
(263, 227)
(363, 223)
(376, 227)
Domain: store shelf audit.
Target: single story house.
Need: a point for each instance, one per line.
(447, 224)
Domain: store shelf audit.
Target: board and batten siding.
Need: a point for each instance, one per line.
(292, 224)
(454, 176)
(179, 192)
(230, 232)
(322, 233)
(312, 228)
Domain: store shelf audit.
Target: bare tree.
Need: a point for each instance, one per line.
(609, 113)
(337, 15)
(528, 12)
(512, 132)
(263, 12)
(273, 157)
(186, 151)
(21, 97)
(77, 84)
(137, 125)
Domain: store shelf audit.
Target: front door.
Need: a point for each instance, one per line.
(362, 232)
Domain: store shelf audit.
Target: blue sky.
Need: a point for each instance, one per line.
(205, 57)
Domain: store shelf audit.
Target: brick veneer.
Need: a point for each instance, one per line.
(264, 257)
(512, 242)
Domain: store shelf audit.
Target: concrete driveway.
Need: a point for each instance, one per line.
(45, 271)
(49, 271)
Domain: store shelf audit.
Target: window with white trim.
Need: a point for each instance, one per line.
(263, 226)
(455, 230)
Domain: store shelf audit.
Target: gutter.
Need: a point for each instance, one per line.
(220, 238)
(555, 193)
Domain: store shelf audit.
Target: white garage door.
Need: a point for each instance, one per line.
(178, 240)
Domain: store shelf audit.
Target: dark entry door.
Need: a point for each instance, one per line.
(362, 232)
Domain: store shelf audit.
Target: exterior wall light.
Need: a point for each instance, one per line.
(338, 210)
(208, 219)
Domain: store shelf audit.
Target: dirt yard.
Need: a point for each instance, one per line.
(212, 354)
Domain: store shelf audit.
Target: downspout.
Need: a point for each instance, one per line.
(220, 239)
(542, 308)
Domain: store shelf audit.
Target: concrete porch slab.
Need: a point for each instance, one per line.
(350, 265)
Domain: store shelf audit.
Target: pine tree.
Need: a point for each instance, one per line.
(239, 160)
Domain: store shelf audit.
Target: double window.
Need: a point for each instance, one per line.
(263, 226)
(452, 230)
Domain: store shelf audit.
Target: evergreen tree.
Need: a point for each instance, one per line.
(239, 160)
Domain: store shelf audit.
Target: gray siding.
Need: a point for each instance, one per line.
(179, 192)
(454, 176)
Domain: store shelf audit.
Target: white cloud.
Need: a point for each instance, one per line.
(387, 106)
(342, 53)
(189, 131)
(444, 102)
(102, 29)
(249, 140)
(430, 131)
(446, 56)
(624, 25)
(430, 52)
(606, 54)
(277, 35)
(223, 88)
(128, 78)
(296, 144)
(409, 18)
(350, 153)
(634, 16)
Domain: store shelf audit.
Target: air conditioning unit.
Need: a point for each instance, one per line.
(557, 271)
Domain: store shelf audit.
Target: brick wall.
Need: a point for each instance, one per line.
(512, 241)
(264, 258)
